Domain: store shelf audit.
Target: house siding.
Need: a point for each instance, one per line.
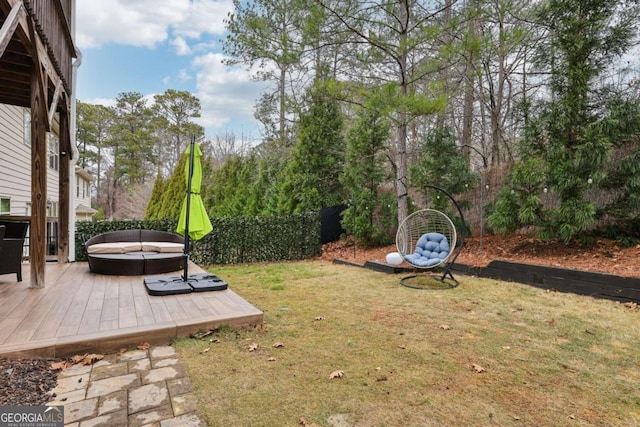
(15, 162)
(15, 159)
(82, 195)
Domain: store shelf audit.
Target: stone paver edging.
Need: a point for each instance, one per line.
(133, 389)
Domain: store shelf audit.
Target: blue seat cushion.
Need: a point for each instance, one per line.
(431, 249)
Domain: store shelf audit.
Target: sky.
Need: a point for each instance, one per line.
(149, 46)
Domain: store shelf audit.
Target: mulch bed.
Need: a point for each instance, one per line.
(26, 382)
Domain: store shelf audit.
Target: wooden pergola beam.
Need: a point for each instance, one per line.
(10, 25)
(54, 102)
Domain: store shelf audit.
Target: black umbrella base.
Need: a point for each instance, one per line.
(173, 285)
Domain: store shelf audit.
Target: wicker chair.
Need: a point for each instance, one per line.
(11, 250)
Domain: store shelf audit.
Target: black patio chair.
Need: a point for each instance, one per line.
(11, 250)
(2, 228)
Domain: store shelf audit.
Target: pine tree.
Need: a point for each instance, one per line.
(440, 162)
(153, 207)
(568, 141)
(363, 177)
(311, 180)
(174, 192)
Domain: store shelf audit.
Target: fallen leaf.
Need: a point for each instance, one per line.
(318, 318)
(336, 374)
(215, 340)
(205, 350)
(271, 359)
(515, 417)
(445, 327)
(90, 359)
(402, 346)
(78, 358)
(144, 346)
(303, 422)
(552, 322)
(253, 347)
(477, 368)
(63, 365)
(278, 345)
(86, 359)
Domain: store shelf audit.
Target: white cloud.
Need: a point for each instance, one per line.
(204, 16)
(182, 48)
(184, 75)
(225, 93)
(107, 102)
(146, 23)
(135, 23)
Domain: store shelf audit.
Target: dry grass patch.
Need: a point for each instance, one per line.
(344, 346)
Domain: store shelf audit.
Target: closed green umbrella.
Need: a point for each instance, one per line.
(198, 224)
(194, 224)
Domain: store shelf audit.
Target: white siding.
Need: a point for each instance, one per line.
(15, 159)
(82, 197)
(15, 162)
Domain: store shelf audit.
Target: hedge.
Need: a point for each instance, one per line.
(233, 240)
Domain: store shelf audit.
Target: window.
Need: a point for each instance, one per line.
(26, 114)
(77, 187)
(54, 155)
(5, 205)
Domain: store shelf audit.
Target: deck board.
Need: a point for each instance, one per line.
(79, 311)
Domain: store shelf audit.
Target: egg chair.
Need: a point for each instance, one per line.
(428, 240)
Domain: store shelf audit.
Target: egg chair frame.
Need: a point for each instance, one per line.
(422, 238)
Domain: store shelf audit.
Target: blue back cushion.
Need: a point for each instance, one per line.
(431, 249)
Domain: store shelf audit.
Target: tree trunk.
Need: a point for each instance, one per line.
(467, 115)
(401, 131)
(401, 162)
(283, 77)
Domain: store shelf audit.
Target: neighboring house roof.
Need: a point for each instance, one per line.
(82, 209)
(84, 174)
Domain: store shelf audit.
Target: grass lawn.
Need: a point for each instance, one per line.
(485, 353)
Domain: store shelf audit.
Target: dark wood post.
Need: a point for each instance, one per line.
(38, 227)
(64, 189)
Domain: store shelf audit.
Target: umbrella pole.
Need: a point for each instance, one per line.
(186, 226)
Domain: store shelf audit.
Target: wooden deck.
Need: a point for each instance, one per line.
(79, 312)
